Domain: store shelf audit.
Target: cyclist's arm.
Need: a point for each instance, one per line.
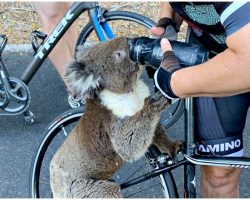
(228, 73)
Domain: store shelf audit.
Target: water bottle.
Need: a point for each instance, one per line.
(147, 51)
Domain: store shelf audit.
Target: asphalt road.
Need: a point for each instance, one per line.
(19, 140)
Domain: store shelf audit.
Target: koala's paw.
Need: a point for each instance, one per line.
(156, 102)
(173, 148)
(176, 148)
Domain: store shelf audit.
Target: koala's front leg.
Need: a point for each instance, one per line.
(165, 145)
(131, 136)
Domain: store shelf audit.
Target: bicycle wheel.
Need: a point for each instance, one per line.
(138, 25)
(130, 21)
(159, 186)
(54, 136)
(139, 181)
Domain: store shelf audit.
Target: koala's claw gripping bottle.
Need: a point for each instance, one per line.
(144, 50)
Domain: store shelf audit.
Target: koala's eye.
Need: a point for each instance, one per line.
(119, 56)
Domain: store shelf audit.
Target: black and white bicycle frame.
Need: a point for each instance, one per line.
(21, 93)
(76, 9)
(189, 159)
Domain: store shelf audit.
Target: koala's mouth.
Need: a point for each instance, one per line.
(135, 67)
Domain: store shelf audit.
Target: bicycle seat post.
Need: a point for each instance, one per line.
(189, 169)
(189, 126)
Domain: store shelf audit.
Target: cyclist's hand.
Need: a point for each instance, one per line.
(165, 27)
(169, 65)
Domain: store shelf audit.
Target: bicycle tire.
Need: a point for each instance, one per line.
(148, 23)
(168, 186)
(49, 133)
(115, 15)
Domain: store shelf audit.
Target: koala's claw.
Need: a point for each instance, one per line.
(174, 149)
(177, 147)
(157, 95)
(157, 102)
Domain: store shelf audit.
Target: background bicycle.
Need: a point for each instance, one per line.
(15, 96)
(21, 141)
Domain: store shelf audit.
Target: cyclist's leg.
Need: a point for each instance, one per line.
(50, 14)
(220, 182)
(220, 124)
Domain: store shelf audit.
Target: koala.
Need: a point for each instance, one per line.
(120, 122)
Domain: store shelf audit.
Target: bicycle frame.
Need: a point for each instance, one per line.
(74, 12)
(190, 158)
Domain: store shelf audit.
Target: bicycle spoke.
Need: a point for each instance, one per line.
(145, 189)
(131, 175)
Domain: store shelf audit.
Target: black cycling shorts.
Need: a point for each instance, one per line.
(219, 124)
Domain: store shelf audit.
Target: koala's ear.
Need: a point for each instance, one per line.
(80, 82)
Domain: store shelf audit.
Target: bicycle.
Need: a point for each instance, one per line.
(160, 165)
(14, 93)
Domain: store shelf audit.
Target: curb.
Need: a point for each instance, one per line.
(14, 48)
(27, 48)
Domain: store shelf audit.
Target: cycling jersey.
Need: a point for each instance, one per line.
(219, 122)
(212, 22)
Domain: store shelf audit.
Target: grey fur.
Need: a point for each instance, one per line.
(102, 140)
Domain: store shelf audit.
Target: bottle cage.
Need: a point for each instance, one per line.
(35, 36)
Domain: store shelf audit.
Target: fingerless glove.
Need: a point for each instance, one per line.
(162, 76)
(166, 21)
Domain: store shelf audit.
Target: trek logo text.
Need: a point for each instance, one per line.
(55, 33)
